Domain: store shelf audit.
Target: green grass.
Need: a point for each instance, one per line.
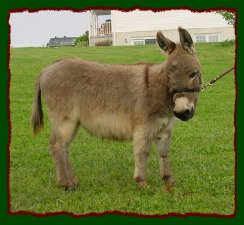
(202, 150)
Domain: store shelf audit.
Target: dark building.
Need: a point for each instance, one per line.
(61, 41)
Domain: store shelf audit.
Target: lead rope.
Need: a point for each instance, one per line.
(212, 81)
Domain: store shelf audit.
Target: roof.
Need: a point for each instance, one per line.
(102, 12)
(61, 41)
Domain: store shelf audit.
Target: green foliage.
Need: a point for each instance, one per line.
(227, 43)
(104, 43)
(202, 150)
(82, 40)
(230, 17)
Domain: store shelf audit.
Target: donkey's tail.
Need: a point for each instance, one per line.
(37, 113)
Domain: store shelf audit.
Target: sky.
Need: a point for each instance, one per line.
(35, 29)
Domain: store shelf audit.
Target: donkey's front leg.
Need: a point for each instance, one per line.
(163, 146)
(142, 145)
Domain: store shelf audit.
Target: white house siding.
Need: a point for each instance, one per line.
(138, 25)
(128, 38)
(166, 20)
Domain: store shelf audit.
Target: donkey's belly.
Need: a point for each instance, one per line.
(109, 125)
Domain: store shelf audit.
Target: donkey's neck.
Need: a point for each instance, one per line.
(159, 89)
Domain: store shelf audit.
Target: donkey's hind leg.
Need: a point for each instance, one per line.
(62, 134)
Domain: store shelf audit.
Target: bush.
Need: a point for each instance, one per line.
(104, 43)
(82, 40)
(227, 43)
(81, 44)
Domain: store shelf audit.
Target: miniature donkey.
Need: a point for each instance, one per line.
(139, 102)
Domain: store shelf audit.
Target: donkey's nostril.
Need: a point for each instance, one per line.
(186, 115)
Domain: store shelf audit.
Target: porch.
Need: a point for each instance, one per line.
(100, 28)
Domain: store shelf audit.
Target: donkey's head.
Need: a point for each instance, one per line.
(184, 73)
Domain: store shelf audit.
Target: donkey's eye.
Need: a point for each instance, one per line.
(193, 75)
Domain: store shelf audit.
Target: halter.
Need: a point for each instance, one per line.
(196, 90)
(183, 90)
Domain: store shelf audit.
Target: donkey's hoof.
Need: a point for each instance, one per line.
(169, 182)
(141, 183)
(170, 189)
(70, 184)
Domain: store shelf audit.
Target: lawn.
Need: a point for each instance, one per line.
(202, 150)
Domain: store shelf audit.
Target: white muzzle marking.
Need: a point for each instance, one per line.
(182, 104)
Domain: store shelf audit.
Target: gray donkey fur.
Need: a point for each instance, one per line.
(120, 102)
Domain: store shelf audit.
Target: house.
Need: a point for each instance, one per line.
(61, 41)
(140, 27)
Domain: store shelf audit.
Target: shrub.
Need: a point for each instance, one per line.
(227, 43)
(82, 40)
(104, 43)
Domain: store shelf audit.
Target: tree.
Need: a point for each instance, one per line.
(230, 17)
(83, 40)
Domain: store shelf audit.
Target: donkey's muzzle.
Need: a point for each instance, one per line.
(185, 115)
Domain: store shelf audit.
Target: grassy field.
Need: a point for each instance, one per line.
(202, 150)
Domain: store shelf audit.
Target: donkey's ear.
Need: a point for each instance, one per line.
(164, 43)
(185, 39)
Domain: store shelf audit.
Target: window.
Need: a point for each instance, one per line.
(146, 41)
(213, 38)
(150, 41)
(139, 42)
(207, 38)
(201, 38)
